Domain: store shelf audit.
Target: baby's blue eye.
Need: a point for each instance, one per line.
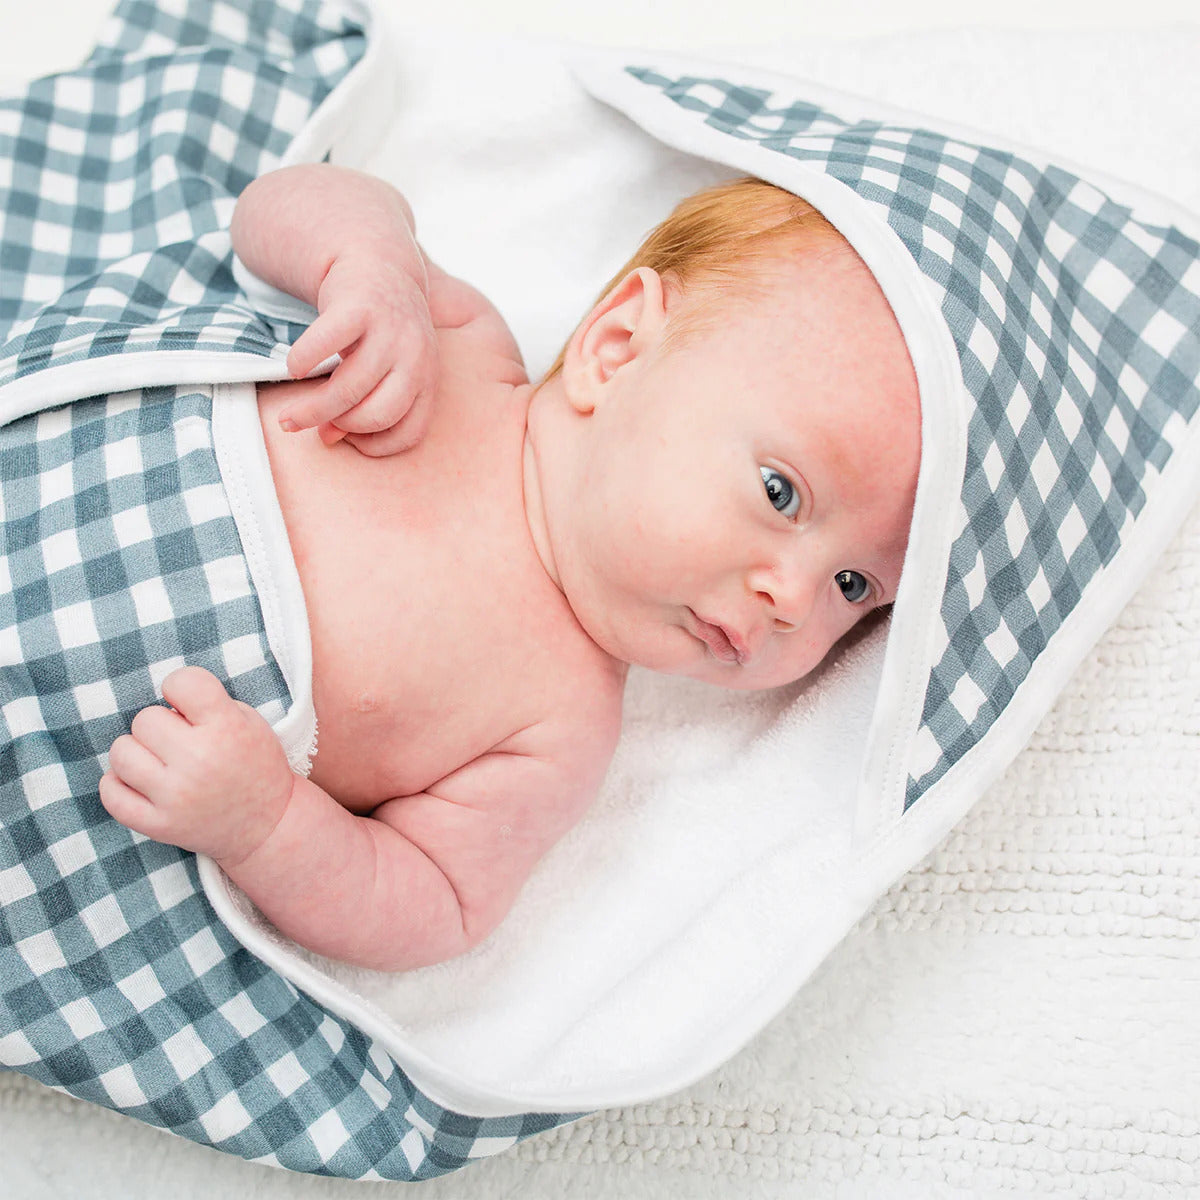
(782, 495)
(854, 586)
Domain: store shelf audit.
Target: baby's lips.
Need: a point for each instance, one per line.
(717, 638)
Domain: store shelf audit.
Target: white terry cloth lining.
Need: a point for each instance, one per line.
(725, 856)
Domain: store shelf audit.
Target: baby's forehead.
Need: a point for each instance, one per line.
(830, 305)
(817, 340)
(823, 288)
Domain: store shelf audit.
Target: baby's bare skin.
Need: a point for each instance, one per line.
(437, 635)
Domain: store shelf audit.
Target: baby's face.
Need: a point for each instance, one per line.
(746, 496)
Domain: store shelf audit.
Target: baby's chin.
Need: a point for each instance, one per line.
(733, 677)
(763, 674)
(677, 653)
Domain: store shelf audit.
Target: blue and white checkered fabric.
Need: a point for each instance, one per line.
(120, 178)
(120, 560)
(1078, 331)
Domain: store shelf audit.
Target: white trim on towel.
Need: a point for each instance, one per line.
(246, 473)
(70, 381)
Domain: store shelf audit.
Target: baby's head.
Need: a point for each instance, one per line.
(725, 455)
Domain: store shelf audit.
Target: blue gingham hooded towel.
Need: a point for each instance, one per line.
(1054, 323)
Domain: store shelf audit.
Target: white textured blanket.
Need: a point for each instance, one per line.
(1017, 1015)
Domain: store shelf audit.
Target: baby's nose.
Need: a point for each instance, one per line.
(789, 591)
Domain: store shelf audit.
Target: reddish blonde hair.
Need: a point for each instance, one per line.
(711, 238)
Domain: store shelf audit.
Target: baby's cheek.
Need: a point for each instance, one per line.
(827, 641)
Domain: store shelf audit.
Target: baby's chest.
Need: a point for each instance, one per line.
(441, 653)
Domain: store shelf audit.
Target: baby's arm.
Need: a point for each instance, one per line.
(344, 242)
(422, 879)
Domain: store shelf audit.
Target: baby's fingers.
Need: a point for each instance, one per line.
(127, 805)
(330, 334)
(135, 766)
(397, 388)
(352, 379)
(197, 694)
(403, 435)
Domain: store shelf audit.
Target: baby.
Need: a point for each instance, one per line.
(715, 480)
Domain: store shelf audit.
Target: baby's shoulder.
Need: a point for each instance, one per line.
(455, 304)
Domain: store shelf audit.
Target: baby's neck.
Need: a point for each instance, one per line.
(546, 443)
(535, 512)
(535, 496)
(550, 471)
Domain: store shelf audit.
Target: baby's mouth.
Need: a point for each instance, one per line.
(714, 637)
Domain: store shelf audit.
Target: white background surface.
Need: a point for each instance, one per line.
(39, 37)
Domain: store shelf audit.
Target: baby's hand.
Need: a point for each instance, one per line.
(375, 315)
(207, 774)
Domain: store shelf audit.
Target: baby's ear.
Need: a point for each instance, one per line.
(626, 323)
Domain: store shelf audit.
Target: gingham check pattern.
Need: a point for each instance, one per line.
(119, 179)
(1078, 330)
(119, 560)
